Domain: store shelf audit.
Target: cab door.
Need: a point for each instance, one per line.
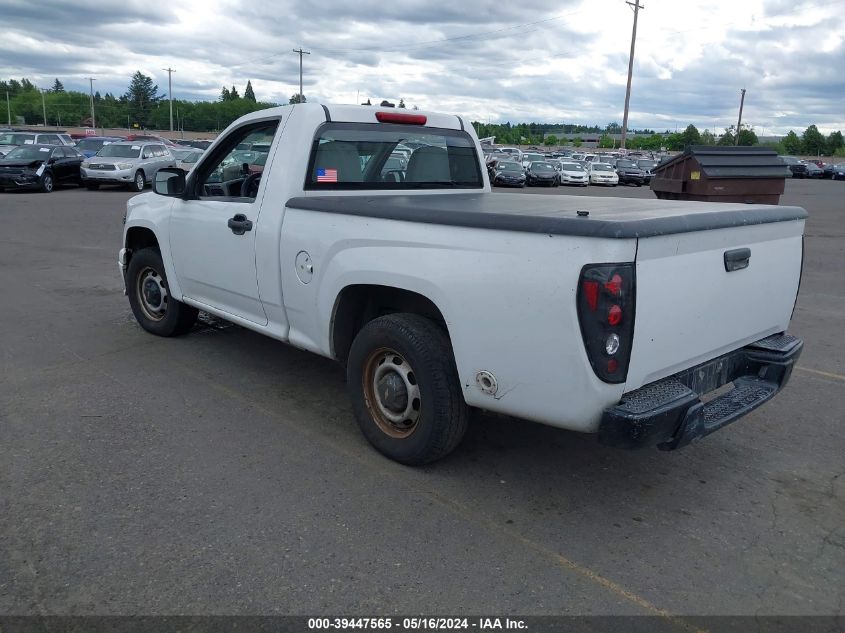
(213, 231)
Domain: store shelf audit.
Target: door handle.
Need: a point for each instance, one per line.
(737, 259)
(239, 224)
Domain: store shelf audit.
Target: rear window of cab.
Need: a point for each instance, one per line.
(357, 156)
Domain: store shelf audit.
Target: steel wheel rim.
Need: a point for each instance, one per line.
(391, 393)
(151, 291)
(48, 183)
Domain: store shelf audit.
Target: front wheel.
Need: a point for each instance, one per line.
(405, 390)
(149, 297)
(139, 182)
(47, 183)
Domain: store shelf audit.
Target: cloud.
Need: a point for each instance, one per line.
(547, 61)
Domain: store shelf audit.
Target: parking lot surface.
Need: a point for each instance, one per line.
(223, 472)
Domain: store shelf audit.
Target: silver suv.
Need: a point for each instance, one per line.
(129, 163)
(10, 139)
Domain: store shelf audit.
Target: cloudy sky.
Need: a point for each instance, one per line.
(495, 60)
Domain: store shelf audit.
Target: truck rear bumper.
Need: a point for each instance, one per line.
(675, 411)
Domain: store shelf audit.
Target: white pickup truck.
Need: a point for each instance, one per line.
(646, 322)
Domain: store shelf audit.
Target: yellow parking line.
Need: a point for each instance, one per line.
(455, 506)
(818, 372)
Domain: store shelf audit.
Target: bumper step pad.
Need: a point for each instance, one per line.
(669, 413)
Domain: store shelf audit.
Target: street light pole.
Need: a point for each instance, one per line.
(91, 81)
(301, 53)
(170, 71)
(44, 107)
(9, 108)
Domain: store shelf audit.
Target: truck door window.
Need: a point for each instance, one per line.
(234, 170)
(358, 156)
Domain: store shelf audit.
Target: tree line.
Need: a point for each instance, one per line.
(141, 106)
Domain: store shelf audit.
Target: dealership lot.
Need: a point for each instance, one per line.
(223, 472)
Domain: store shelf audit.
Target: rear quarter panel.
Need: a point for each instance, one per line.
(508, 300)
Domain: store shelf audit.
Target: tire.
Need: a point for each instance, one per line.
(47, 183)
(153, 308)
(92, 186)
(425, 386)
(139, 182)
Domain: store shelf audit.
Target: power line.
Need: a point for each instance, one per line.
(637, 6)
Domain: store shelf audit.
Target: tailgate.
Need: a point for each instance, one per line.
(690, 309)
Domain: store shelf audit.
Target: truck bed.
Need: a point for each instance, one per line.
(621, 218)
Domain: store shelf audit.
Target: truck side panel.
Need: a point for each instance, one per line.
(508, 300)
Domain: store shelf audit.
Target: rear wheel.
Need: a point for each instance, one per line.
(92, 186)
(47, 184)
(405, 390)
(149, 296)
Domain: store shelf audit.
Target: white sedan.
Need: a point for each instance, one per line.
(573, 174)
(602, 174)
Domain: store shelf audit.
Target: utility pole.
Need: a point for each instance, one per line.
(44, 107)
(9, 108)
(637, 6)
(91, 81)
(739, 120)
(170, 71)
(301, 53)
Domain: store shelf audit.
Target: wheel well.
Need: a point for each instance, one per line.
(139, 237)
(358, 305)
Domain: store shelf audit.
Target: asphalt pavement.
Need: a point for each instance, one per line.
(223, 472)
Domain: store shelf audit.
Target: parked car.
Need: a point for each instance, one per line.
(508, 174)
(629, 173)
(835, 172)
(647, 165)
(798, 168)
(90, 145)
(152, 138)
(10, 140)
(129, 163)
(619, 317)
(572, 173)
(813, 170)
(602, 174)
(186, 158)
(541, 173)
(528, 158)
(41, 167)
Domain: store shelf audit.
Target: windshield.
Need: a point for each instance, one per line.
(510, 167)
(625, 163)
(17, 139)
(602, 167)
(541, 166)
(533, 157)
(354, 156)
(114, 150)
(646, 164)
(572, 167)
(29, 153)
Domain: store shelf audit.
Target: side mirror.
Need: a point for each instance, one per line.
(170, 181)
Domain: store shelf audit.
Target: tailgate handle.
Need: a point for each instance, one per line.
(737, 259)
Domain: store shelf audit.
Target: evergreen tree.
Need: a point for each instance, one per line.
(401, 103)
(249, 94)
(295, 98)
(813, 142)
(57, 86)
(224, 94)
(835, 142)
(141, 97)
(234, 94)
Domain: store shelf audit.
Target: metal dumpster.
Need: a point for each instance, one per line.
(722, 174)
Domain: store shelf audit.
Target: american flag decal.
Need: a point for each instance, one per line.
(326, 175)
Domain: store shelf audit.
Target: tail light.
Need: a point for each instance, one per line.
(606, 301)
